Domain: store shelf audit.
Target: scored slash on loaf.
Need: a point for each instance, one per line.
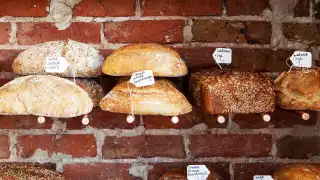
(220, 92)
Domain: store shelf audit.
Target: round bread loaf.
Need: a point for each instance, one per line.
(298, 172)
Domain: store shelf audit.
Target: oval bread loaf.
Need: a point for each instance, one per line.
(163, 61)
(298, 171)
(83, 59)
(44, 95)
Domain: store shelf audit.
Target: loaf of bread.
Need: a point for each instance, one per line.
(93, 89)
(83, 60)
(219, 92)
(163, 61)
(162, 98)
(13, 171)
(299, 89)
(44, 95)
(298, 172)
(182, 175)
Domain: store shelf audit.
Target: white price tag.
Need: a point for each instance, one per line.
(56, 64)
(262, 177)
(197, 172)
(222, 55)
(301, 59)
(142, 78)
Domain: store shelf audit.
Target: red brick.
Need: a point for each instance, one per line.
(245, 171)
(307, 33)
(294, 147)
(5, 29)
(6, 59)
(316, 9)
(27, 145)
(160, 31)
(34, 33)
(102, 120)
(277, 60)
(302, 8)
(106, 52)
(36, 8)
(4, 81)
(144, 146)
(23, 122)
(246, 7)
(230, 145)
(97, 171)
(180, 7)
(157, 170)
(251, 32)
(105, 8)
(76, 145)
(4, 147)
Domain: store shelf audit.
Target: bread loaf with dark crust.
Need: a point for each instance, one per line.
(83, 59)
(177, 174)
(298, 171)
(232, 91)
(163, 61)
(162, 98)
(299, 89)
(15, 171)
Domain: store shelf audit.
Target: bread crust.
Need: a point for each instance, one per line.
(298, 171)
(163, 61)
(84, 60)
(299, 89)
(44, 95)
(219, 92)
(162, 98)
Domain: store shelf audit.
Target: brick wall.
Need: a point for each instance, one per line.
(262, 35)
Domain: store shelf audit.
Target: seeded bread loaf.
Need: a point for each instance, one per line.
(219, 92)
(162, 98)
(299, 89)
(44, 95)
(83, 60)
(298, 172)
(163, 61)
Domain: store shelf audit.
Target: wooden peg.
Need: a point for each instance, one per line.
(41, 120)
(130, 119)
(266, 117)
(174, 119)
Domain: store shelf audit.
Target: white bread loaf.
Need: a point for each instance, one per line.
(162, 98)
(44, 95)
(163, 61)
(84, 60)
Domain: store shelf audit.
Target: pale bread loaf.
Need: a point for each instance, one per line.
(163, 61)
(162, 98)
(15, 171)
(298, 172)
(84, 60)
(299, 89)
(44, 95)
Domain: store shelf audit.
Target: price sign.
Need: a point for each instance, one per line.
(262, 177)
(142, 78)
(197, 172)
(56, 64)
(222, 55)
(301, 59)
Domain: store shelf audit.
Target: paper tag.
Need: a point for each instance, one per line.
(56, 64)
(222, 55)
(197, 172)
(301, 59)
(142, 78)
(262, 177)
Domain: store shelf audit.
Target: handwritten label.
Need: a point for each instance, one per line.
(197, 172)
(222, 55)
(301, 59)
(142, 78)
(56, 64)
(262, 177)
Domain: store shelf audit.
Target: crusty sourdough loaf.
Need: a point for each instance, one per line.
(93, 89)
(44, 95)
(177, 174)
(298, 172)
(232, 91)
(163, 61)
(84, 60)
(162, 98)
(14, 171)
(299, 89)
